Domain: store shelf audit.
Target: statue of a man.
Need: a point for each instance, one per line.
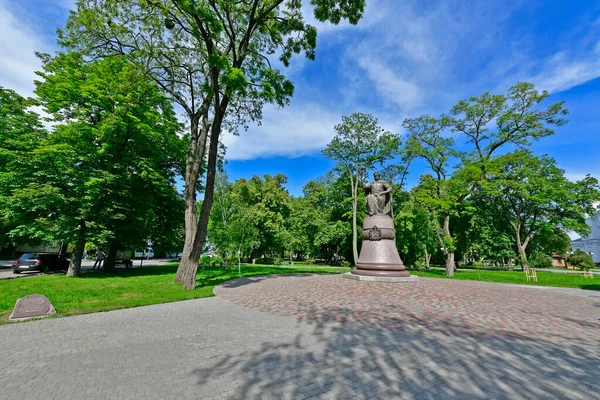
(378, 196)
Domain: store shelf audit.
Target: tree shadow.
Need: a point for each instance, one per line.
(130, 272)
(591, 287)
(436, 360)
(257, 279)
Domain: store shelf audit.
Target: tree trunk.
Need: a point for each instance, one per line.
(111, 257)
(190, 266)
(191, 254)
(523, 256)
(75, 263)
(449, 252)
(354, 235)
(521, 247)
(450, 263)
(427, 257)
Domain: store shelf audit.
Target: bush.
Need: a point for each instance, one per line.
(540, 260)
(310, 261)
(478, 264)
(277, 260)
(581, 259)
(420, 265)
(345, 264)
(216, 261)
(205, 260)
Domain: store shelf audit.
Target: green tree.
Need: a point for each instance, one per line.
(327, 223)
(216, 59)
(533, 196)
(20, 134)
(359, 144)
(106, 172)
(441, 191)
(581, 259)
(518, 120)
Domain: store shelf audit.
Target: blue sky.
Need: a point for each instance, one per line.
(405, 58)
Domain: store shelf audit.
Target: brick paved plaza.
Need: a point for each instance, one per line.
(322, 337)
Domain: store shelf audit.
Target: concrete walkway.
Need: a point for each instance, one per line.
(353, 342)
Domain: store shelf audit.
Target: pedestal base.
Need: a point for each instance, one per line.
(378, 254)
(396, 279)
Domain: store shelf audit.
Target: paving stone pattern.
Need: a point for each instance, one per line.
(317, 340)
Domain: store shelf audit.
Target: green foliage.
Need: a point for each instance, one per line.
(345, 264)
(106, 172)
(205, 260)
(540, 260)
(277, 260)
(310, 261)
(534, 197)
(420, 265)
(581, 259)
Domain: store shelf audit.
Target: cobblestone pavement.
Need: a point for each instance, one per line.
(322, 337)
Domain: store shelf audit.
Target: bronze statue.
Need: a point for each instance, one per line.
(378, 195)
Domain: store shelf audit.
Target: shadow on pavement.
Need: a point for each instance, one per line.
(432, 363)
(257, 279)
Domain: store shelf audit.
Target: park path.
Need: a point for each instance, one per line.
(292, 337)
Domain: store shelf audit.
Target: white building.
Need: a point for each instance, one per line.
(591, 243)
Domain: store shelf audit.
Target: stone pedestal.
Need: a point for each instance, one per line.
(378, 254)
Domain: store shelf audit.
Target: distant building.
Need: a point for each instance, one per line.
(591, 243)
(558, 261)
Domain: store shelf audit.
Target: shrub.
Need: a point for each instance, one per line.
(205, 260)
(345, 264)
(581, 259)
(216, 261)
(420, 265)
(478, 264)
(310, 261)
(540, 260)
(277, 260)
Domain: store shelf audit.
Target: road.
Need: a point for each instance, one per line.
(6, 272)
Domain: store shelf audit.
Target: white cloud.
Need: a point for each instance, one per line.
(390, 85)
(562, 71)
(18, 61)
(294, 131)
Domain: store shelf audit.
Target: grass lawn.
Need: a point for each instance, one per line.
(517, 277)
(99, 291)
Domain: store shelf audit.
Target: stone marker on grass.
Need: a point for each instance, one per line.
(33, 306)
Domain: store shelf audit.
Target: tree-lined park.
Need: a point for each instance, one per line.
(138, 98)
(299, 199)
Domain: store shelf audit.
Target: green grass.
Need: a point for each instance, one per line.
(517, 277)
(99, 291)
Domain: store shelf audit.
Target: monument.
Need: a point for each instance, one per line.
(33, 306)
(379, 259)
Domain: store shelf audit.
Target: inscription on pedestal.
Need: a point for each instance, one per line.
(33, 306)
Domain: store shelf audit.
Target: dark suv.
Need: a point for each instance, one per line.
(39, 262)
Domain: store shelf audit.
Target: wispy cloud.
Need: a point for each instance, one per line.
(293, 131)
(563, 71)
(17, 47)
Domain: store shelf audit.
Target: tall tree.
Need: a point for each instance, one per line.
(440, 190)
(533, 195)
(216, 59)
(21, 132)
(108, 166)
(359, 144)
(518, 120)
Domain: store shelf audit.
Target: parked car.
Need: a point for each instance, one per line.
(146, 253)
(40, 262)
